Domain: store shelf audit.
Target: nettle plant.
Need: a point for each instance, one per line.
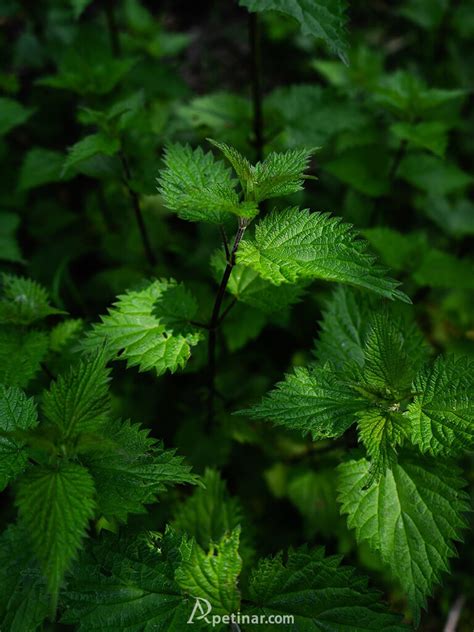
(373, 395)
(73, 463)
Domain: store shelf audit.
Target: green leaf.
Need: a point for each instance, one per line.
(248, 287)
(381, 432)
(150, 328)
(366, 169)
(200, 188)
(279, 174)
(41, 166)
(312, 116)
(241, 325)
(79, 400)
(319, 593)
(210, 512)
(411, 517)
(407, 95)
(393, 350)
(17, 412)
(313, 494)
(23, 301)
(442, 411)
(411, 252)
(21, 354)
(128, 584)
(324, 19)
(9, 248)
(290, 245)
(431, 135)
(240, 164)
(12, 114)
(25, 602)
(346, 319)
(378, 355)
(314, 400)
(79, 6)
(433, 175)
(428, 15)
(62, 334)
(130, 469)
(88, 147)
(399, 251)
(441, 269)
(213, 575)
(88, 69)
(55, 505)
(224, 114)
(455, 218)
(116, 118)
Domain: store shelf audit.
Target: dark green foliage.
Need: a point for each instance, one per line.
(248, 226)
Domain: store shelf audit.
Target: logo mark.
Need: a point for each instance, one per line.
(203, 607)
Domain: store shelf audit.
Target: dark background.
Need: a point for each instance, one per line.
(190, 62)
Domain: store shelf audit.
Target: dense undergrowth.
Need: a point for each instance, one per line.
(236, 315)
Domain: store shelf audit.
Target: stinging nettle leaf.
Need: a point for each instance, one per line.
(12, 114)
(411, 516)
(9, 248)
(25, 603)
(324, 19)
(89, 147)
(312, 400)
(21, 354)
(150, 328)
(41, 166)
(210, 512)
(346, 319)
(381, 431)
(129, 584)
(55, 505)
(433, 175)
(200, 188)
(248, 287)
(279, 174)
(442, 411)
(79, 400)
(23, 301)
(319, 592)
(293, 244)
(17, 413)
(431, 135)
(130, 469)
(213, 575)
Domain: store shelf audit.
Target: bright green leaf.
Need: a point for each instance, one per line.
(293, 244)
(55, 505)
(150, 328)
(411, 516)
(212, 575)
(79, 400)
(442, 411)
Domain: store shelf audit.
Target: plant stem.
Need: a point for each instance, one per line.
(137, 210)
(256, 81)
(215, 320)
(224, 242)
(227, 310)
(112, 28)
(397, 160)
